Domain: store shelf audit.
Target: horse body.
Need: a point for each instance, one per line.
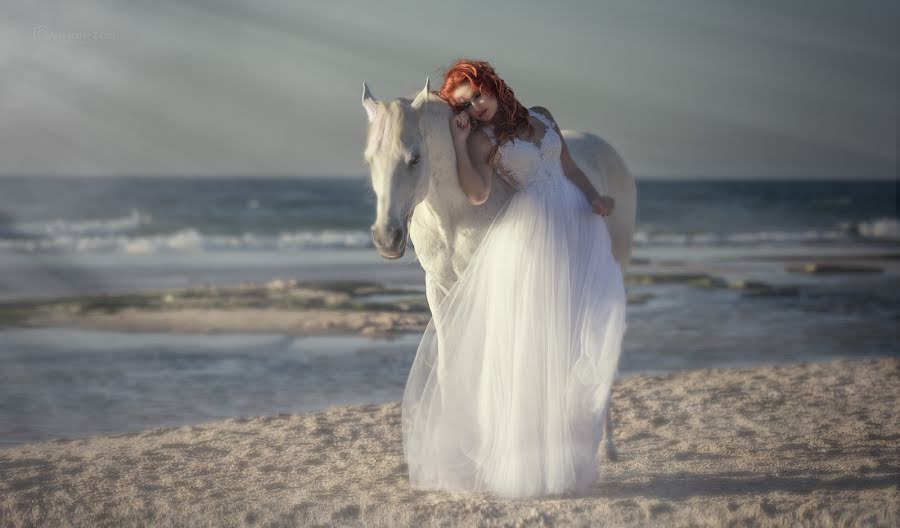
(412, 161)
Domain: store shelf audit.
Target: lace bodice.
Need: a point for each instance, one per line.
(522, 163)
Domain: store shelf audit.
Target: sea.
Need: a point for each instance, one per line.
(74, 235)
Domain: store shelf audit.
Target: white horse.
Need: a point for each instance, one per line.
(412, 163)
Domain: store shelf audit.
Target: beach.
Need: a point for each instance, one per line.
(322, 307)
(808, 443)
(244, 367)
(218, 271)
(811, 444)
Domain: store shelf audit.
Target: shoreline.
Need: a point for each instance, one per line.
(808, 442)
(319, 307)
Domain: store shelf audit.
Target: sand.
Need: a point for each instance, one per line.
(808, 444)
(372, 323)
(323, 307)
(282, 305)
(289, 307)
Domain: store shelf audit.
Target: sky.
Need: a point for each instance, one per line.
(695, 88)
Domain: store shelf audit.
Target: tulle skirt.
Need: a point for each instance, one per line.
(511, 380)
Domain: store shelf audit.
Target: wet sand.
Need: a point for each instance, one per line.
(370, 308)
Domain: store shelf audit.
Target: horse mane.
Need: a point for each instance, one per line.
(381, 132)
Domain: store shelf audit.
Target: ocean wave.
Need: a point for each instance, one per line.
(77, 228)
(104, 236)
(884, 228)
(738, 239)
(191, 240)
(876, 230)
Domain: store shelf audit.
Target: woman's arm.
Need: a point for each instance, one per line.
(471, 161)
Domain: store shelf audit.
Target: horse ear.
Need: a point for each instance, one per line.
(369, 102)
(423, 95)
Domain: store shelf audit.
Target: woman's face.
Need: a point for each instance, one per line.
(479, 105)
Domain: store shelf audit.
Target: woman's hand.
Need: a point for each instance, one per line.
(603, 205)
(459, 127)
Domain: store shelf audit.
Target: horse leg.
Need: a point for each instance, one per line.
(611, 452)
(434, 294)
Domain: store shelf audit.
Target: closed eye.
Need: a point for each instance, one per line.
(476, 95)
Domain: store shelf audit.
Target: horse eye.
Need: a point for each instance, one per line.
(414, 160)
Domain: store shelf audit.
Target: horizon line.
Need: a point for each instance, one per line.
(656, 176)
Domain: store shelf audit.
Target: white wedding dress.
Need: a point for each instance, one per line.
(511, 380)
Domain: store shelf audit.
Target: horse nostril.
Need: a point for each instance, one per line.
(395, 240)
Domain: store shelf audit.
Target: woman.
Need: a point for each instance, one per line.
(512, 376)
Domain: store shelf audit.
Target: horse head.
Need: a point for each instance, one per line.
(396, 155)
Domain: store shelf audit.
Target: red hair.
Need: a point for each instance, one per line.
(510, 116)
